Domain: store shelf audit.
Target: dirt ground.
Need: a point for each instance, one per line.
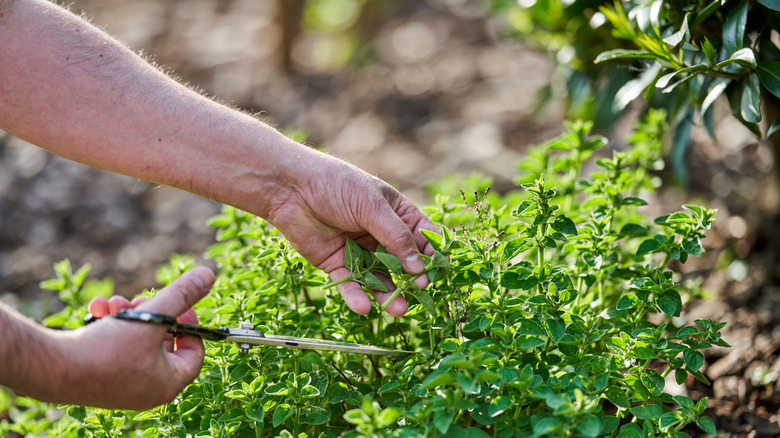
(441, 94)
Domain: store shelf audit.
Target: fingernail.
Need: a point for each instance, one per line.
(197, 280)
(412, 258)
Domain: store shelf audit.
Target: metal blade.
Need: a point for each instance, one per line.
(252, 337)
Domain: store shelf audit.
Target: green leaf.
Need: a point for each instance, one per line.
(775, 126)
(744, 57)
(545, 425)
(634, 88)
(434, 238)
(442, 419)
(750, 102)
(530, 327)
(424, 298)
(716, 89)
(392, 262)
(693, 246)
(318, 415)
(773, 5)
(555, 328)
(618, 397)
(234, 414)
(681, 35)
(564, 225)
(769, 74)
(282, 412)
(693, 359)
(437, 378)
(707, 425)
(389, 386)
(734, 27)
(388, 417)
(623, 53)
(371, 281)
(498, 405)
(633, 229)
(255, 412)
(647, 412)
(352, 255)
(653, 382)
(590, 425)
(668, 419)
(627, 301)
(647, 247)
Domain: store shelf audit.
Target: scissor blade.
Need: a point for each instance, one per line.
(241, 336)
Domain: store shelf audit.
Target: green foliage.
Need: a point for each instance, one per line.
(536, 322)
(687, 54)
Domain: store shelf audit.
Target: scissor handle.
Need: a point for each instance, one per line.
(175, 327)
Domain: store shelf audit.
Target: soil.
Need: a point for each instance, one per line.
(438, 93)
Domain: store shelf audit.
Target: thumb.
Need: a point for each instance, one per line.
(182, 294)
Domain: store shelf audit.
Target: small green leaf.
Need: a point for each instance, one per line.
(633, 229)
(769, 74)
(564, 225)
(389, 386)
(255, 412)
(434, 238)
(352, 255)
(372, 282)
(646, 247)
(627, 301)
(653, 382)
(545, 425)
(282, 412)
(555, 329)
(498, 405)
(392, 262)
(234, 414)
(693, 359)
(707, 425)
(437, 378)
(590, 425)
(425, 299)
(388, 417)
(618, 397)
(647, 412)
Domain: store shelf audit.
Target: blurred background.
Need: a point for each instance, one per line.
(411, 91)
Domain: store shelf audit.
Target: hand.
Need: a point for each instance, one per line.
(329, 201)
(138, 366)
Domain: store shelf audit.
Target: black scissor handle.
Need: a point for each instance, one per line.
(175, 327)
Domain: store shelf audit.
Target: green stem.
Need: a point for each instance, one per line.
(337, 282)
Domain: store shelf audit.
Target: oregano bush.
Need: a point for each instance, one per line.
(550, 313)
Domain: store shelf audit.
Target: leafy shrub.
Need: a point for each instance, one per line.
(549, 314)
(681, 55)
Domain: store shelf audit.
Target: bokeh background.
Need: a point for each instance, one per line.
(412, 91)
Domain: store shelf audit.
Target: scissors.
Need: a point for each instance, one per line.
(246, 336)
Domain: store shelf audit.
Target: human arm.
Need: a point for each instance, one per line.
(111, 363)
(75, 91)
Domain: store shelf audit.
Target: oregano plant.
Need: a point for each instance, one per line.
(551, 312)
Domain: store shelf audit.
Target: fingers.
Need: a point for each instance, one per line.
(98, 307)
(354, 295)
(182, 294)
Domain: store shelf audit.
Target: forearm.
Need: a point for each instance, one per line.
(68, 87)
